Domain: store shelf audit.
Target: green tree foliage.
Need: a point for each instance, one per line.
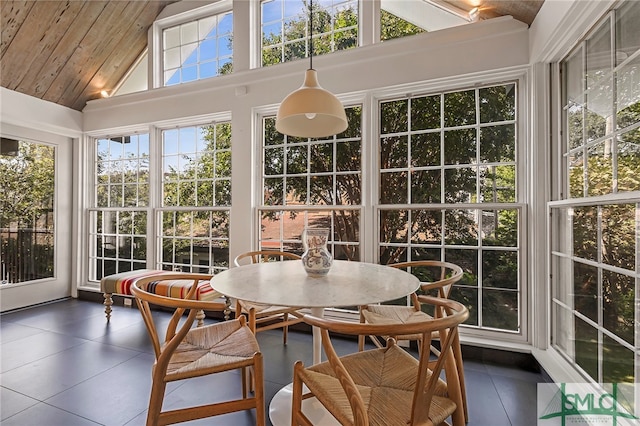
(411, 171)
(392, 27)
(605, 234)
(26, 185)
(27, 188)
(331, 32)
(204, 181)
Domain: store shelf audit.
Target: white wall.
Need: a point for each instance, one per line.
(27, 118)
(32, 113)
(493, 44)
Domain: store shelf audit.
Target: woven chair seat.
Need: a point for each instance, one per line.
(210, 349)
(262, 309)
(386, 386)
(392, 314)
(387, 392)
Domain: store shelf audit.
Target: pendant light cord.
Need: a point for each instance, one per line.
(310, 34)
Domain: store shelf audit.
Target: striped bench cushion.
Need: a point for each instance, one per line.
(121, 284)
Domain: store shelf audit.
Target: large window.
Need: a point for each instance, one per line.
(404, 18)
(312, 182)
(285, 28)
(118, 224)
(596, 222)
(448, 191)
(198, 49)
(187, 227)
(196, 170)
(27, 183)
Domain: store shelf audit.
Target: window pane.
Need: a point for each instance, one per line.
(425, 187)
(598, 47)
(460, 146)
(627, 31)
(425, 112)
(600, 168)
(205, 157)
(398, 18)
(599, 113)
(427, 227)
(325, 172)
(393, 116)
(576, 174)
(467, 259)
(497, 103)
(468, 297)
(619, 235)
(459, 108)
(628, 94)
(461, 227)
(585, 287)
(574, 86)
(585, 231)
(617, 365)
(500, 309)
(498, 184)
(629, 161)
(497, 143)
(618, 304)
(394, 152)
(500, 269)
(335, 27)
(425, 149)
(586, 347)
(27, 215)
(500, 228)
(393, 188)
(460, 185)
(392, 26)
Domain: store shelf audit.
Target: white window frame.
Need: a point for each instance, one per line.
(370, 184)
(560, 233)
(156, 68)
(155, 186)
(523, 185)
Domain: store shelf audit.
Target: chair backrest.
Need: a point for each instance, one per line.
(264, 256)
(145, 299)
(445, 325)
(433, 275)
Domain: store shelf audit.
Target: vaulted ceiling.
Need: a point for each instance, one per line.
(66, 52)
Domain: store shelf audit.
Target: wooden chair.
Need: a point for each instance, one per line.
(437, 278)
(262, 317)
(188, 352)
(386, 386)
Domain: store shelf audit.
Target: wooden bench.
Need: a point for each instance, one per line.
(121, 283)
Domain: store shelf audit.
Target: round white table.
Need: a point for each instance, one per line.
(286, 283)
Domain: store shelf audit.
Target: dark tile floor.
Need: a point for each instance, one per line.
(62, 364)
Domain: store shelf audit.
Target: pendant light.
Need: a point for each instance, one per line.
(311, 111)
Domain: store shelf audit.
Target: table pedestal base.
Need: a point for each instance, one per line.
(280, 409)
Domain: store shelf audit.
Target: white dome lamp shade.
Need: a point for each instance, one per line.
(311, 111)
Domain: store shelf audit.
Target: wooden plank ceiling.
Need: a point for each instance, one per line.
(66, 52)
